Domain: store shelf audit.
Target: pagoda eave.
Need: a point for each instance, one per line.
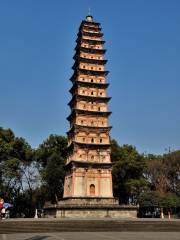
(77, 127)
(92, 72)
(90, 23)
(87, 145)
(88, 40)
(84, 164)
(88, 60)
(87, 84)
(90, 98)
(90, 34)
(86, 112)
(90, 50)
(88, 73)
(89, 28)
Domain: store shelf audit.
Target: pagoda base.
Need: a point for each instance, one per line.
(89, 208)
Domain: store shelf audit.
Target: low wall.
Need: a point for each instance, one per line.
(91, 212)
(99, 213)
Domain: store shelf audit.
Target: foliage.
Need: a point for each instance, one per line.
(128, 171)
(51, 156)
(157, 199)
(17, 174)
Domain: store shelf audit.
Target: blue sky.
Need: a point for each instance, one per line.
(143, 42)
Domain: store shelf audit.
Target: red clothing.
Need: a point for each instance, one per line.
(1, 205)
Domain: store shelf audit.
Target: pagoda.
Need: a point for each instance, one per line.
(88, 166)
(88, 181)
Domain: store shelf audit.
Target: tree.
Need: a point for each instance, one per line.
(16, 164)
(128, 169)
(157, 173)
(51, 156)
(163, 174)
(154, 199)
(172, 163)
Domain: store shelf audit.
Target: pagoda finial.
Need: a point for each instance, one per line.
(89, 18)
(89, 11)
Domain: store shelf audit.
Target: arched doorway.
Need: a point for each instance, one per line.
(92, 190)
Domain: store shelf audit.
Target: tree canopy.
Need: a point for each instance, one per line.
(51, 156)
(128, 169)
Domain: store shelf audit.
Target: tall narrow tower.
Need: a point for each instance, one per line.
(88, 181)
(88, 167)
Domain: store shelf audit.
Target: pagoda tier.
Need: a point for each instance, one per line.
(90, 34)
(90, 28)
(86, 128)
(78, 84)
(91, 78)
(76, 144)
(88, 72)
(93, 71)
(77, 97)
(85, 22)
(90, 41)
(80, 164)
(88, 60)
(87, 112)
(89, 50)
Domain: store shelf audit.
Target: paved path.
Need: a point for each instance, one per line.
(93, 236)
(14, 226)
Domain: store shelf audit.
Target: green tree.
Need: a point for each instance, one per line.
(51, 156)
(167, 202)
(16, 164)
(128, 169)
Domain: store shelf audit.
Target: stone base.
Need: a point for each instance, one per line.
(89, 207)
(88, 201)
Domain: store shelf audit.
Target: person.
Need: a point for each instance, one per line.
(1, 207)
(3, 213)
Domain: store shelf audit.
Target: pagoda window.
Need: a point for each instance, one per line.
(92, 140)
(100, 140)
(84, 66)
(83, 139)
(92, 157)
(92, 93)
(99, 68)
(91, 68)
(102, 123)
(82, 121)
(99, 108)
(92, 190)
(91, 80)
(83, 91)
(92, 123)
